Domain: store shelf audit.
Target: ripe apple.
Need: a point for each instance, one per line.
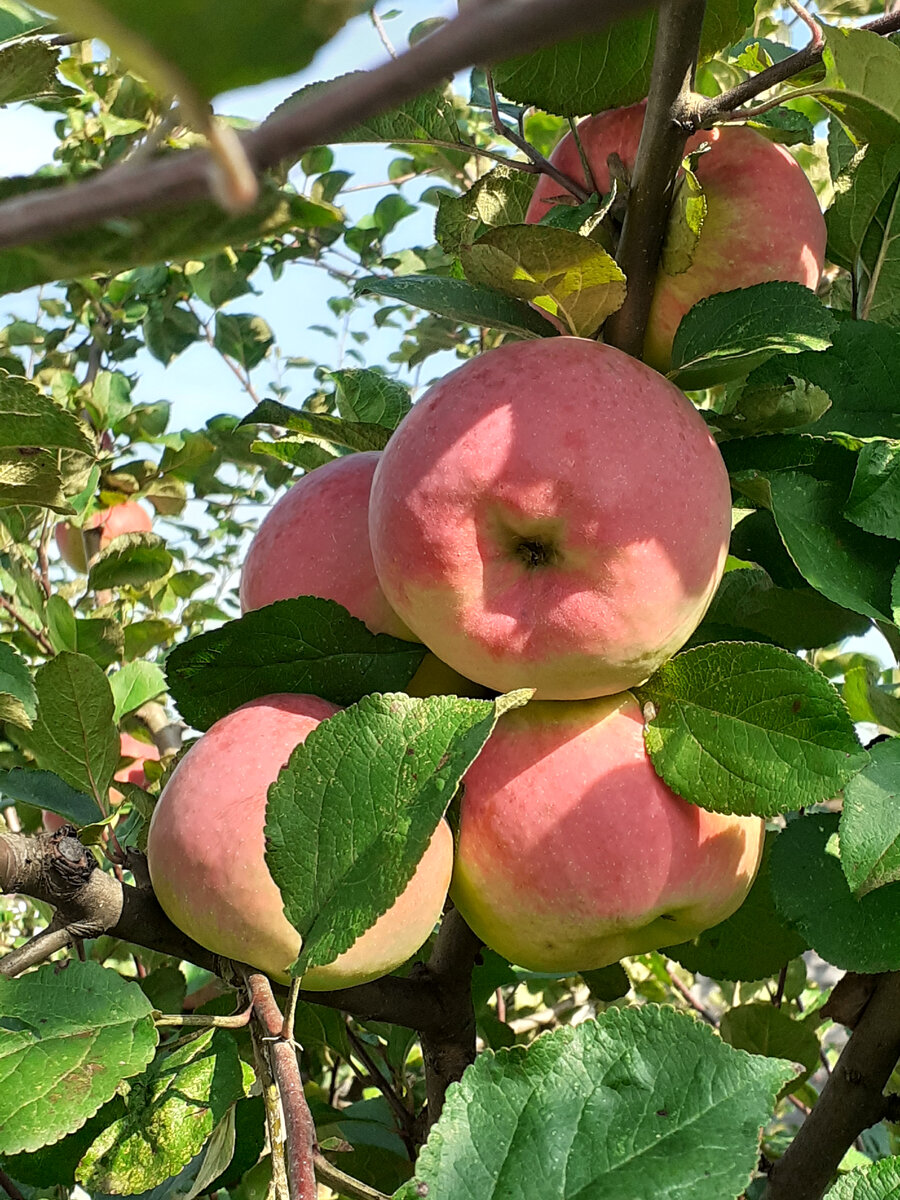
(573, 853)
(315, 542)
(206, 852)
(553, 514)
(111, 523)
(763, 221)
(133, 772)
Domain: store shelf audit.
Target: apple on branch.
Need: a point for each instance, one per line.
(105, 525)
(206, 853)
(573, 853)
(763, 220)
(553, 514)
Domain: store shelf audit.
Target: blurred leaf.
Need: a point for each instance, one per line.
(303, 645)
(17, 19)
(747, 728)
(621, 1086)
(27, 71)
(76, 1034)
(812, 894)
(18, 699)
(244, 337)
(761, 1028)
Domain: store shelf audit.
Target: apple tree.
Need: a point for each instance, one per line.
(755, 1055)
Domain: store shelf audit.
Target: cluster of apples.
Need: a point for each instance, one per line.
(552, 515)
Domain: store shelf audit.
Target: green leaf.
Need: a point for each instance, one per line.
(43, 789)
(867, 701)
(607, 983)
(753, 943)
(785, 125)
(611, 68)
(500, 197)
(428, 117)
(729, 334)
(875, 1181)
(626, 1091)
(368, 397)
(74, 733)
(870, 822)
(111, 247)
(17, 19)
(206, 52)
(812, 893)
(134, 685)
(747, 728)
(27, 71)
(306, 645)
(359, 801)
(54, 1166)
(688, 212)
(31, 420)
(68, 1040)
(849, 566)
(874, 501)
(354, 435)
(760, 1028)
(460, 301)
(18, 699)
(773, 408)
(130, 560)
(244, 337)
(172, 1111)
(862, 71)
(570, 276)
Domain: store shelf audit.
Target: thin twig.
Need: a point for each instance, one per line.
(382, 32)
(238, 1021)
(691, 999)
(42, 640)
(14, 1194)
(384, 1085)
(36, 950)
(817, 37)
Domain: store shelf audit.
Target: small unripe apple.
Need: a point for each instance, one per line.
(206, 853)
(315, 542)
(573, 853)
(763, 221)
(553, 514)
(109, 523)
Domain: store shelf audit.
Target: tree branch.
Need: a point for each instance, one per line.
(482, 32)
(852, 1100)
(449, 1046)
(707, 112)
(659, 154)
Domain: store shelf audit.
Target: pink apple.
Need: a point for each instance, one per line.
(573, 853)
(763, 222)
(315, 542)
(206, 852)
(553, 514)
(111, 522)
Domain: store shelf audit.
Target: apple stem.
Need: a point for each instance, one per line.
(660, 151)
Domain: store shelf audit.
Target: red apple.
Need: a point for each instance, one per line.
(315, 542)
(763, 221)
(573, 853)
(133, 772)
(111, 522)
(553, 514)
(206, 852)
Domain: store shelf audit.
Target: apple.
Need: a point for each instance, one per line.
(553, 514)
(315, 542)
(763, 221)
(206, 853)
(573, 853)
(111, 523)
(133, 772)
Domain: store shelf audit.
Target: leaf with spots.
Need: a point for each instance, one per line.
(644, 1102)
(67, 1040)
(746, 728)
(172, 1110)
(352, 813)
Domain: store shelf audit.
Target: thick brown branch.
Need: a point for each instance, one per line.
(660, 151)
(852, 1100)
(449, 1047)
(481, 33)
(707, 112)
